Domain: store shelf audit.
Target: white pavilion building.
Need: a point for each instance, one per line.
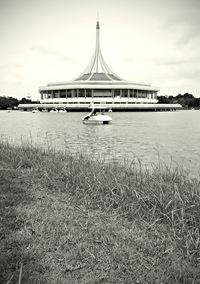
(98, 84)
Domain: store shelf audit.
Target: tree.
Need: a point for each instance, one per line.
(8, 102)
(25, 101)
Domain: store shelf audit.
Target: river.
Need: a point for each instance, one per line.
(146, 136)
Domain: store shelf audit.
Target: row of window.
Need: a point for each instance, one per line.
(96, 93)
(97, 103)
(47, 96)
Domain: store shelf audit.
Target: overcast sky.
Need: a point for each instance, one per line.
(152, 41)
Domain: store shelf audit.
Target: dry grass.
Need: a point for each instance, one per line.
(68, 219)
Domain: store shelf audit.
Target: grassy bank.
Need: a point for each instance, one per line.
(67, 219)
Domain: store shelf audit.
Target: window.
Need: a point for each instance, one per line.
(69, 94)
(55, 94)
(88, 93)
(104, 93)
(124, 93)
(81, 93)
(116, 93)
(63, 94)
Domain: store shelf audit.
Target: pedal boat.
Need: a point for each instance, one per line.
(97, 115)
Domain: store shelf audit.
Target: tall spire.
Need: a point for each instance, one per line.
(98, 65)
(98, 25)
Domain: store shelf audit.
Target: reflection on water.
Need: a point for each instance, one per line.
(142, 135)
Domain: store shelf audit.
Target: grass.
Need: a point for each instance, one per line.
(69, 219)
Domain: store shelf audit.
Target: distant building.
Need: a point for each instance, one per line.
(100, 85)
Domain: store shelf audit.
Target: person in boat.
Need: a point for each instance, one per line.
(95, 112)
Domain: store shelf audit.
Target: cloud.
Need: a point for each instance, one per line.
(190, 74)
(192, 32)
(184, 20)
(10, 65)
(16, 83)
(50, 52)
(183, 60)
(67, 59)
(11, 82)
(43, 50)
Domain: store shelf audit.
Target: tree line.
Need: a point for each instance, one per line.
(187, 100)
(12, 103)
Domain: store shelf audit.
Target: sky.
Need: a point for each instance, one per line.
(150, 41)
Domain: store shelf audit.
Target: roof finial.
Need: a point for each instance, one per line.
(98, 25)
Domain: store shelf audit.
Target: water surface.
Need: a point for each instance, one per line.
(142, 135)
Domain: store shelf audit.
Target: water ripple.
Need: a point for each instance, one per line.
(146, 136)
